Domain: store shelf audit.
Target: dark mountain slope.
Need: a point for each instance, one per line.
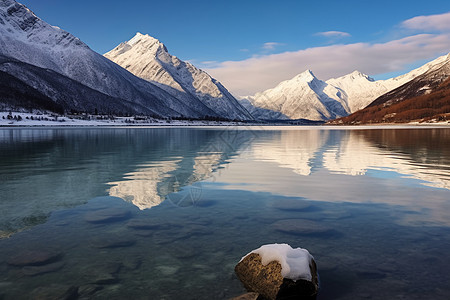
(49, 90)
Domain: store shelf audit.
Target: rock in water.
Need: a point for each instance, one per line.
(279, 272)
(55, 292)
(107, 215)
(38, 270)
(302, 227)
(291, 205)
(34, 258)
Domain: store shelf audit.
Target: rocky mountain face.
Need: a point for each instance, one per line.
(97, 81)
(424, 98)
(305, 96)
(148, 58)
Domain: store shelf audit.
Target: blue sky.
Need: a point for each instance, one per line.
(229, 38)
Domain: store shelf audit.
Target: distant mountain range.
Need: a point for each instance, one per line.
(46, 68)
(306, 97)
(424, 98)
(31, 49)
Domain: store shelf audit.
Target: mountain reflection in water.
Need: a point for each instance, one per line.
(44, 170)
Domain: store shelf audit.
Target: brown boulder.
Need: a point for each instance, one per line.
(267, 281)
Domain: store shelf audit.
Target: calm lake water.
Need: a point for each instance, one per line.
(166, 213)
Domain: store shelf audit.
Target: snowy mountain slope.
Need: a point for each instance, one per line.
(426, 97)
(260, 113)
(148, 58)
(361, 90)
(425, 83)
(304, 96)
(27, 38)
(65, 94)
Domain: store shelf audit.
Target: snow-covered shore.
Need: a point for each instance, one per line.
(24, 119)
(21, 119)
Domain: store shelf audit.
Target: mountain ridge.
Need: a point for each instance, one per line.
(27, 38)
(148, 58)
(302, 97)
(424, 98)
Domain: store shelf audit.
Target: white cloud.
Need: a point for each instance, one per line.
(434, 22)
(333, 34)
(262, 72)
(209, 62)
(270, 45)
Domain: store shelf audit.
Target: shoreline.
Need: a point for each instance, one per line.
(40, 120)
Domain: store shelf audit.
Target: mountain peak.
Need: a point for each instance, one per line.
(357, 74)
(306, 76)
(146, 41)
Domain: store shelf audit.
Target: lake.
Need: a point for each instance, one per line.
(166, 213)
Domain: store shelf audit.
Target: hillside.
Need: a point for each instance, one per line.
(434, 106)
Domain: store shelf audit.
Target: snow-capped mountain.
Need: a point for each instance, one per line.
(424, 98)
(437, 72)
(302, 97)
(305, 96)
(361, 90)
(148, 58)
(28, 39)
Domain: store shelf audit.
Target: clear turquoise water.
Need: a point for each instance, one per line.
(372, 207)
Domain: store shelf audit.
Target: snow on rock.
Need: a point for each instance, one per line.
(148, 58)
(277, 271)
(294, 262)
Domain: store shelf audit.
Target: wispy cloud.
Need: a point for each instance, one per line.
(439, 22)
(269, 46)
(262, 72)
(333, 34)
(209, 64)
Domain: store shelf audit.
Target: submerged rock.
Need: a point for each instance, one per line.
(291, 205)
(87, 290)
(38, 270)
(34, 258)
(105, 273)
(204, 203)
(301, 227)
(271, 281)
(131, 263)
(55, 292)
(113, 242)
(144, 224)
(107, 215)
